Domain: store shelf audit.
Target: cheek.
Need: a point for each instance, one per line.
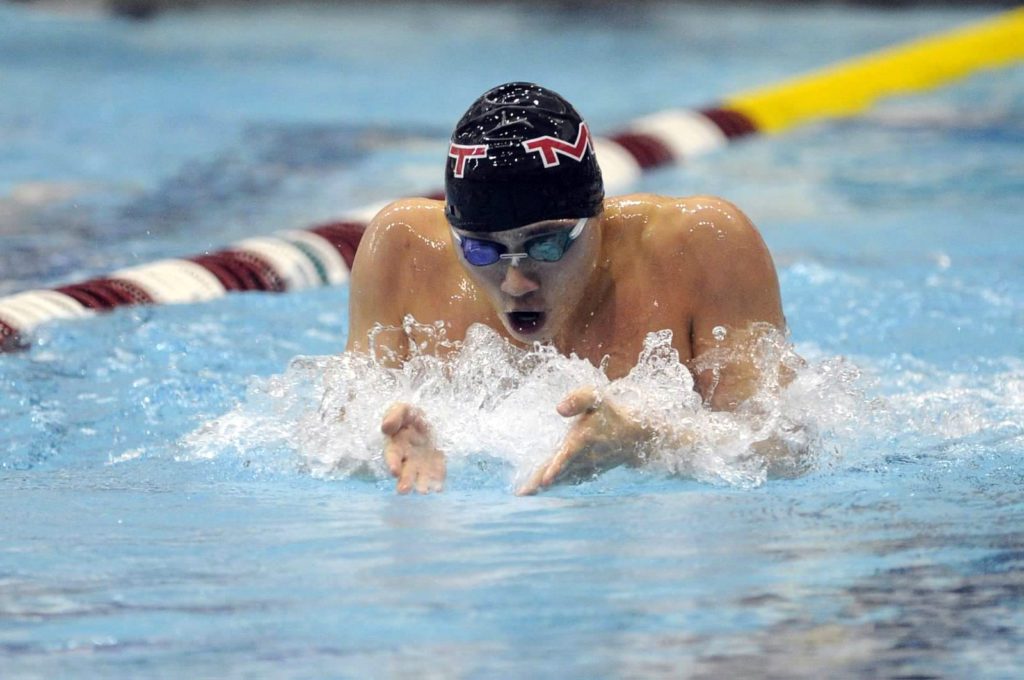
(487, 279)
(560, 277)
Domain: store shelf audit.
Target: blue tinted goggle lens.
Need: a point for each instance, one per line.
(480, 253)
(548, 248)
(545, 248)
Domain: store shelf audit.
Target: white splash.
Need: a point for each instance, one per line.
(490, 401)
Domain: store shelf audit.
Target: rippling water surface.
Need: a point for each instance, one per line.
(174, 500)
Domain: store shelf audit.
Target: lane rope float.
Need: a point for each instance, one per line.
(323, 255)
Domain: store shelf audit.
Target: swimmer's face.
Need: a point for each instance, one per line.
(533, 275)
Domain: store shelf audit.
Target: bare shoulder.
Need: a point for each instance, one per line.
(706, 231)
(710, 232)
(405, 238)
(705, 222)
(400, 244)
(403, 225)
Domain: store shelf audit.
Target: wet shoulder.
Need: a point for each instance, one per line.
(666, 225)
(410, 226)
(719, 234)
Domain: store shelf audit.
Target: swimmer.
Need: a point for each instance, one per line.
(527, 243)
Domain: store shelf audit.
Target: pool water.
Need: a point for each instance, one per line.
(175, 501)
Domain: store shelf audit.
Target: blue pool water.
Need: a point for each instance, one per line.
(171, 503)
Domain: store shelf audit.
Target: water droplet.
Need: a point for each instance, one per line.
(719, 332)
(943, 260)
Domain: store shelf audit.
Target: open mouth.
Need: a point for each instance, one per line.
(526, 323)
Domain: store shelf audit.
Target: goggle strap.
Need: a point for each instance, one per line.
(578, 229)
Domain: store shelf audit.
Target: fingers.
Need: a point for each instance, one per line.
(542, 477)
(423, 477)
(570, 449)
(417, 421)
(401, 415)
(578, 402)
(406, 479)
(533, 484)
(393, 458)
(431, 481)
(548, 473)
(394, 419)
(409, 453)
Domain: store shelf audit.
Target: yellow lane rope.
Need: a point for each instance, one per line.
(850, 87)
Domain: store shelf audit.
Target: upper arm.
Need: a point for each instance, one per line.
(376, 310)
(737, 307)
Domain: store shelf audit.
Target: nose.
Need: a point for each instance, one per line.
(516, 283)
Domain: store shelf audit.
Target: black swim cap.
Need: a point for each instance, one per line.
(520, 154)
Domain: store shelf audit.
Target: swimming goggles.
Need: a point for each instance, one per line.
(544, 248)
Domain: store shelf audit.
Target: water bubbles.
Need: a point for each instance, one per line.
(942, 260)
(719, 333)
(491, 406)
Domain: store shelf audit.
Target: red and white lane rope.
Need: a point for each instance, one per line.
(287, 260)
(323, 255)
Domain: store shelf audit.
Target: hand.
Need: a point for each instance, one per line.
(410, 453)
(603, 437)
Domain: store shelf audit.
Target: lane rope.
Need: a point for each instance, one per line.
(323, 255)
(850, 87)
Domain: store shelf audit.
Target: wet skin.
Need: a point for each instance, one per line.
(645, 263)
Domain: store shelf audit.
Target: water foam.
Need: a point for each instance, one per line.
(490, 402)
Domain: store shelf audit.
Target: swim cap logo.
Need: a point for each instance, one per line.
(549, 147)
(460, 152)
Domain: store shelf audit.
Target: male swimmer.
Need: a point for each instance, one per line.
(526, 243)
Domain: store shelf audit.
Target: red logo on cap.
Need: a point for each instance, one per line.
(461, 152)
(549, 147)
